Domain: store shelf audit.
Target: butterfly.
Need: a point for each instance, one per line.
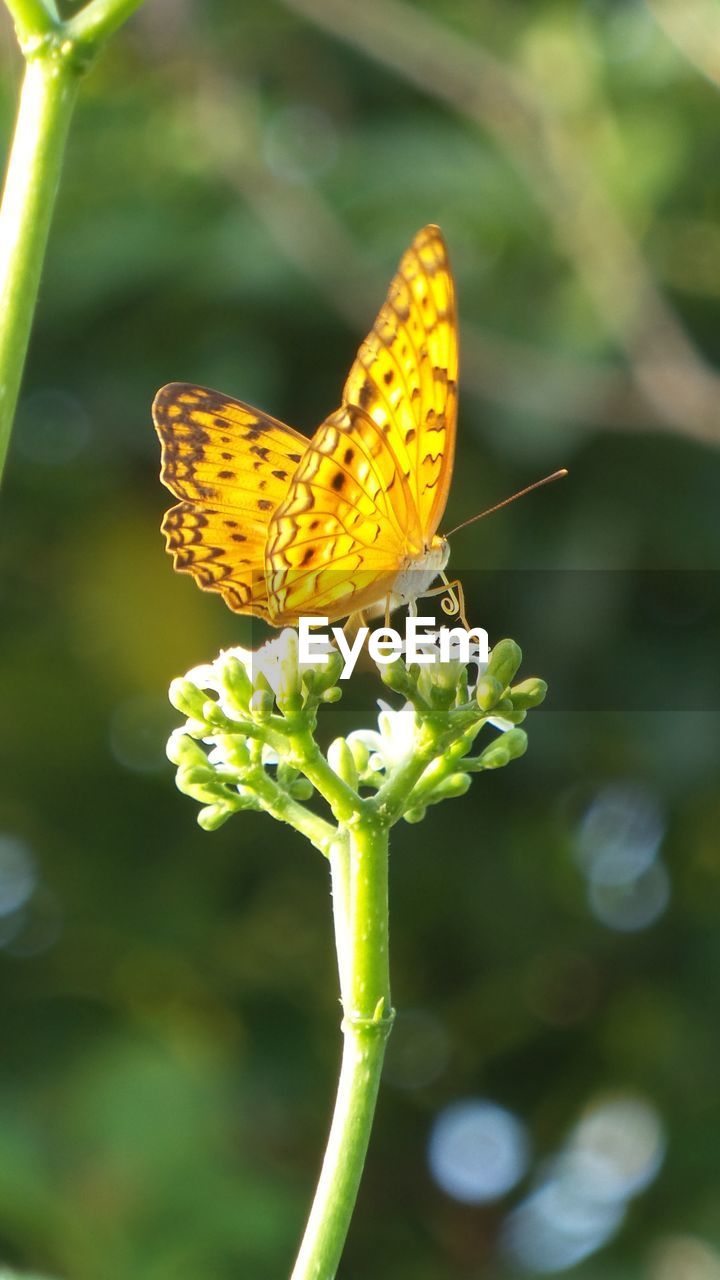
(283, 526)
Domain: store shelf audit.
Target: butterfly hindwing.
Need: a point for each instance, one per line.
(336, 542)
(231, 466)
(405, 373)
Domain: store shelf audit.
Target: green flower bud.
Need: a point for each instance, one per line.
(205, 789)
(261, 682)
(236, 682)
(214, 815)
(503, 708)
(456, 784)
(340, 759)
(333, 694)
(308, 680)
(360, 754)
(286, 773)
(505, 659)
(301, 789)
(289, 703)
(184, 750)
(187, 698)
(325, 677)
(261, 704)
(509, 746)
(441, 697)
(395, 676)
(438, 683)
(515, 717)
(235, 749)
(197, 775)
(415, 815)
(213, 714)
(288, 680)
(530, 693)
(488, 693)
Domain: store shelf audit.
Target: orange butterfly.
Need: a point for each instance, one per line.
(283, 526)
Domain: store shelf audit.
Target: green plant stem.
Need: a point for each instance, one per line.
(339, 857)
(31, 18)
(57, 54)
(94, 23)
(46, 104)
(360, 887)
(343, 800)
(277, 802)
(392, 796)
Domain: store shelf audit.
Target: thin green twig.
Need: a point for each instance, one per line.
(31, 17)
(57, 54)
(46, 105)
(98, 20)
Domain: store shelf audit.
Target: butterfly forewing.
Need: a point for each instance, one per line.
(231, 465)
(405, 374)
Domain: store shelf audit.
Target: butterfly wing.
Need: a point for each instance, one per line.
(373, 484)
(405, 374)
(231, 466)
(336, 542)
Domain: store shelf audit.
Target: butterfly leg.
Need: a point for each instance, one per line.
(353, 624)
(453, 602)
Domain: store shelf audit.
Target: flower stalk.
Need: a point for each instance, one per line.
(249, 742)
(57, 53)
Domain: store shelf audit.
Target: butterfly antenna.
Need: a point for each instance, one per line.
(556, 475)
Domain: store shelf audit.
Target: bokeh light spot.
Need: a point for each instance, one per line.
(477, 1151)
(620, 834)
(39, 925)
(138, 732)
(18, 875)
(613, 1153)
(554, 1228)
(681, 1257)
(633, 906)
(617, 1147)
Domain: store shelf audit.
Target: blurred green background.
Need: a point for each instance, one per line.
(240, 183)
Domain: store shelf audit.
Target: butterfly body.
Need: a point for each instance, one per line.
(419, 574)
(283, 526)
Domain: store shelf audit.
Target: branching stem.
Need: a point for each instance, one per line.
(57, 53)
(46, 105)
